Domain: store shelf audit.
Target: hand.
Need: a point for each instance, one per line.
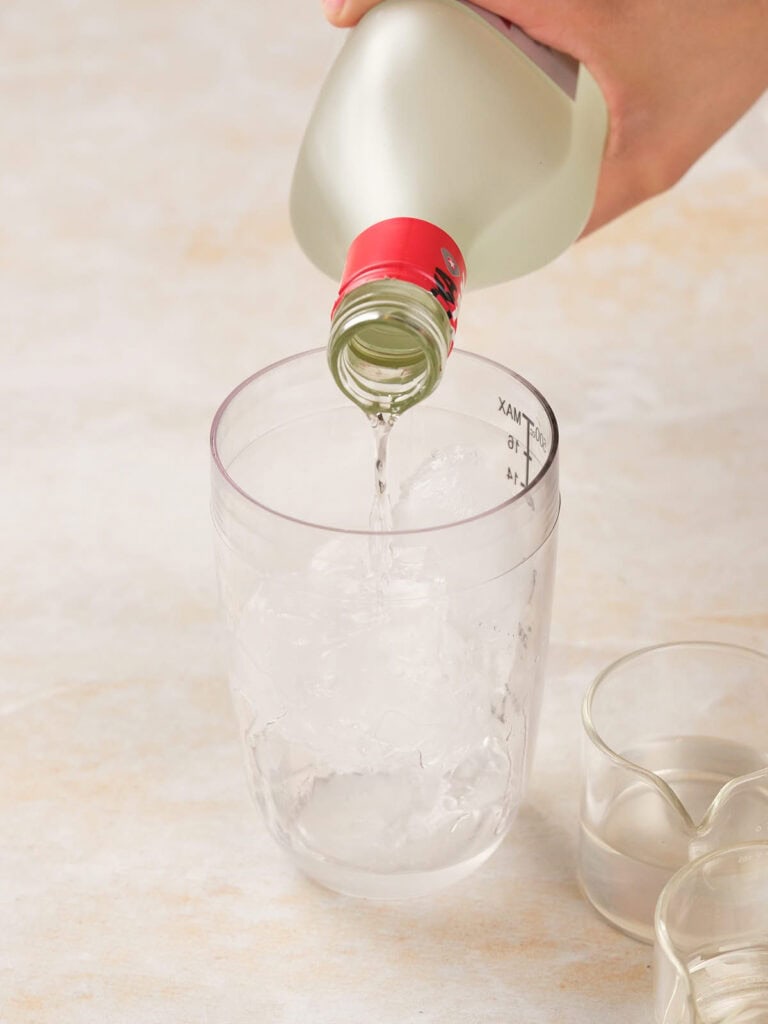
(676, 75)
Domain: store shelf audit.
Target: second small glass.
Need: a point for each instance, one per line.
(675, 766)
(711, 956)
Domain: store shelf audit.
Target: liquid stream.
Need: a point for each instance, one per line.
(380, 521)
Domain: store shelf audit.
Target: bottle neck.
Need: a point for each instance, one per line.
(388, 345)
(393, 323)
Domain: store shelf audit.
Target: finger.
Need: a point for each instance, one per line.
(345, 13)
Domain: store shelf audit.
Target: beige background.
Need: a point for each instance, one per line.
(146, 266)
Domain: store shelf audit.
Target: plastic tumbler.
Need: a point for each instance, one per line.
(387, 684)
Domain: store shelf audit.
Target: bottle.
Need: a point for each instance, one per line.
(445, 146)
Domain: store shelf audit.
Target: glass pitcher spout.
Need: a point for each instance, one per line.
(739, 812)
(675, 765)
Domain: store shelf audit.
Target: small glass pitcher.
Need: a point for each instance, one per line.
(675, 766)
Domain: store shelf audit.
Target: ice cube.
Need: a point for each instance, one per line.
(357, 664)
(452, 484)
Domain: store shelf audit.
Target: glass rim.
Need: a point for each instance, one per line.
(683, 874)
(593, 735)
(337, 530)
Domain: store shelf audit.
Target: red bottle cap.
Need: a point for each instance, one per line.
(407, 249)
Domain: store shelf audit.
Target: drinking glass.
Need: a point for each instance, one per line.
(711, 954)
(387, 683)
(675, 766)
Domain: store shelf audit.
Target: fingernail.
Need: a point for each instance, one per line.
(333, 7)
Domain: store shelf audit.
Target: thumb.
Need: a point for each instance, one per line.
(345, 13)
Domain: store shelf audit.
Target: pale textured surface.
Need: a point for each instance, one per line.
(146, 267)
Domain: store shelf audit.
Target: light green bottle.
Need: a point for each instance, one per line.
(445, 144)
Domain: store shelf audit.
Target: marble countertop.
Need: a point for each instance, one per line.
(147, 266)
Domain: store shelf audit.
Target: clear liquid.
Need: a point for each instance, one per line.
(640, 842)
(381, 509)
(405, 831)
(732, 987)
(386, 714)
(380, 520)
(377, 784)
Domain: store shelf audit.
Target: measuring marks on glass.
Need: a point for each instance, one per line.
(527, 444)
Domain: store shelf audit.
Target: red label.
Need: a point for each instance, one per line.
(409, 250)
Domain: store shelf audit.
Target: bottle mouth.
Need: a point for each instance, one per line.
(385, 365)
(388, 347)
